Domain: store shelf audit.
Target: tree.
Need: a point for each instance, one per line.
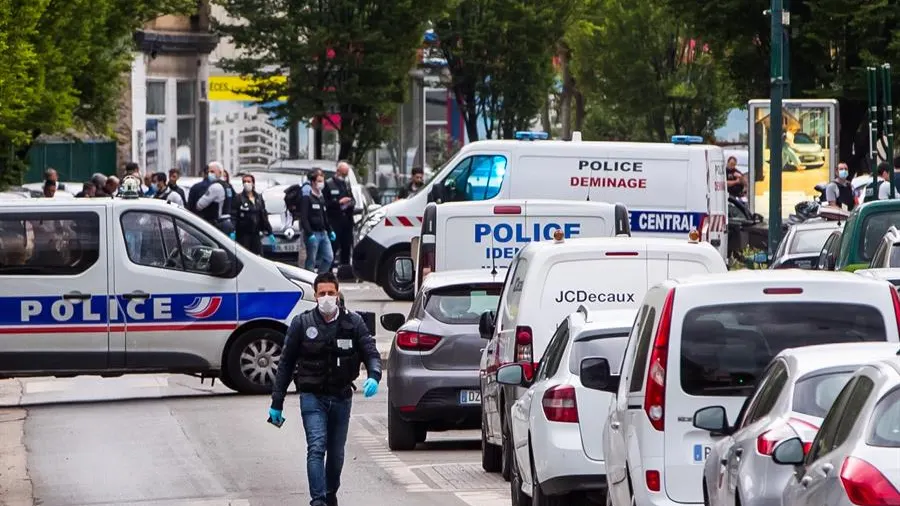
(647, 84)
(61, 67)
(499, 55)
(832, 42)
(344, 63)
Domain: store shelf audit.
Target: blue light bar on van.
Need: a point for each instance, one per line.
(687, 139)
(532, 136)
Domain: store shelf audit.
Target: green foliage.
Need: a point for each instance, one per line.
(499, 55)
(643, 79)
(62, 65)
(371, 44)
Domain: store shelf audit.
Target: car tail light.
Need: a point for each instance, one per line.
(866, 486)
(782, 291)
(655, 396)
(559, 404)
(767, 441)
(414, 341)
(524, 351)
(896, 298)
(654, 482)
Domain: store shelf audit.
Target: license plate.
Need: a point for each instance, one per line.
(287, 247)
(701, 452)
(470, 397)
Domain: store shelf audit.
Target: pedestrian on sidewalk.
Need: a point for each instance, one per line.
(334, 343)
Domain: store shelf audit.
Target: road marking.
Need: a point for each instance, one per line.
(399, 472)
(63, 385)
(486, 498)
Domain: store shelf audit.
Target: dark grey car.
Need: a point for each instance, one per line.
(433, 367)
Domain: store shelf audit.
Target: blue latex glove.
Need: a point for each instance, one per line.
(275, 415)
(332, 236)
(232, 236)
(272, 238)
(370, 387)
(313, 238)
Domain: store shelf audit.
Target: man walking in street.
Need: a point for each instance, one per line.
(333, 342)
(339, 199)
(417, 181)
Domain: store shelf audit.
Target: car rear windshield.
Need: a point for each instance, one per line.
(810, 241)
(725, 348)
(885, 427)
(603, 345)
(462, 305)
(873, 230)
(814, 395)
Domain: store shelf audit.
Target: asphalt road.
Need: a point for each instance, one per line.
(168, 440)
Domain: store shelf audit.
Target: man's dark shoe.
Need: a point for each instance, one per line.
(318, 503)
(331, 500)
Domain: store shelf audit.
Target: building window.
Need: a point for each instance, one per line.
(185, 97)
(156, 98)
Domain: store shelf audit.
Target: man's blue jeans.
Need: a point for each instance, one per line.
(319, 252)
(326, 420)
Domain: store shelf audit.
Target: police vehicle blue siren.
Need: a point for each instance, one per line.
(687, 139)
(532, 136)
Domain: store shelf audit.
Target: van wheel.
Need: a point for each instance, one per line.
(388, 279)
(491, 456)
(253, 360)
(402, 435)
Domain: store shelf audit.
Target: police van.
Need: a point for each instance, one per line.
(488, 235)
(111, 286)
(548, 281)
(669, 189)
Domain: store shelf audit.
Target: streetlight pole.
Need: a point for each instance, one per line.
(888, 118)
(776, 80)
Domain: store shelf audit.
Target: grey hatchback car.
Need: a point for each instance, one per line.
(433, 366)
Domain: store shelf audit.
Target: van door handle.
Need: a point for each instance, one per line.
(136, 295)
(76, 296)
(614, 425)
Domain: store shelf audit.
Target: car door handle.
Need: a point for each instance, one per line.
(76, 296)
(827, 468)
(614, 425)
(136, 295)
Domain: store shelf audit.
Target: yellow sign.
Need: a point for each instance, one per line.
(232, 88)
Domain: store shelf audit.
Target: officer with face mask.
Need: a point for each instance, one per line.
(333, 343)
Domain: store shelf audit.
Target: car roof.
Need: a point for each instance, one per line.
(876, 205)
(808, 359)
(540, 251)
(70, 203)
(774, 276)
(890, 362)
(441, 279)
(881, 273)
(566, 204)
(553, 147)
(607, 319)
(816, 225)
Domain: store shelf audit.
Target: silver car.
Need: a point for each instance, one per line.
(855, 457)
(802, 244)
(432, 373)
(790, 401)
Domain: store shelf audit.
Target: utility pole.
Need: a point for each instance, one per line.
(888, 118)
(780, 18)
(872, 85)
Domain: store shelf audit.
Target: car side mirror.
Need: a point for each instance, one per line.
(595, 374)
(486, 325)
(392, 321)
(404, 271)
(512, 374)
(789, 452)
(712, 419)
(758, 218)
(220, 263)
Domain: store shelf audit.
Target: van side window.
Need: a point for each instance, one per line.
(478, 177)
(515, 284)
(642, 351)
(162, 241)
(48, 244)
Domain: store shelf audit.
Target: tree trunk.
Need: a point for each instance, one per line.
(565, 99)
(579, 110)
(346, 150)
(545, 116)
(319, 141)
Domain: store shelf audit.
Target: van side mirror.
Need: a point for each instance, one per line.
(404, 272)
(595, 374)
(486, 325)
(789, 452)
(392, 321)
(220, 263)
(712, 419)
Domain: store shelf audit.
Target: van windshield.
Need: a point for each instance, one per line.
(725, 348)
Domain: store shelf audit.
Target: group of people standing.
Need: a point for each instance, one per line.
(840, 192)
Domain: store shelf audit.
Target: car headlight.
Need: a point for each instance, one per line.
(373, 219)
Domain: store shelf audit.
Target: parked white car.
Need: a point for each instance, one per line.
(558, 448)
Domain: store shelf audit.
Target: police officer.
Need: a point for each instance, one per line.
(333, 342)
(339, 199)
(215, 205)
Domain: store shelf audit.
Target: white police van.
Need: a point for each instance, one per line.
(111, 286)
(669, 189)
(488, 235)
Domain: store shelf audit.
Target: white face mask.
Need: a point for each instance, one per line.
(328, 304)
(320, 186)
(248, 187)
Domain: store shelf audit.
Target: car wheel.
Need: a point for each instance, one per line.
(518, 497)
(389, 283)
(253, 361)
(421, 434)
(507, 451)
(401, 434)
(491, 456)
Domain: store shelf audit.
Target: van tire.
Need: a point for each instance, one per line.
(402, 435)
(508, 457)
(386, 278)
(491, 455)
(261, 342)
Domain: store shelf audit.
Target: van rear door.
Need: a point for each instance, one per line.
(482, 235)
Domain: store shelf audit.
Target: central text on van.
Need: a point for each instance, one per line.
(585, 296)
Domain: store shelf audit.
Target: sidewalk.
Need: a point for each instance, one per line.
(15, 485)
